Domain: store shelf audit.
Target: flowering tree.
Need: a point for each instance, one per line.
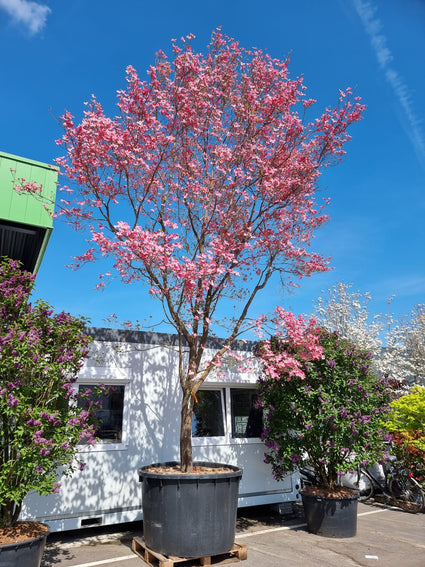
(203, 187)
(413, 337)
(323, 406)
(40, 422)
(347, 312)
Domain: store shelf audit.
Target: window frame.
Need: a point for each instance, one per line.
(227, 439)
(109, 377)
(216, 440)
(231, 416)
(238, 440)
(221, 403)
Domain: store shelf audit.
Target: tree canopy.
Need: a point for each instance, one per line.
(204, 185)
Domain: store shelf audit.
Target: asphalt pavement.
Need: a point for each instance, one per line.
(386, 537)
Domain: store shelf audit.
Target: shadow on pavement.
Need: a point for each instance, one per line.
(55, 556)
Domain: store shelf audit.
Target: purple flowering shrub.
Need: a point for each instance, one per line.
(40, 422)
(331, 418)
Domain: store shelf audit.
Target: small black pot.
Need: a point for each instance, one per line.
(190, 515)
(23, 554)
(329, 516)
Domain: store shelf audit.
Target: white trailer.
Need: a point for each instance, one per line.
(140, 417)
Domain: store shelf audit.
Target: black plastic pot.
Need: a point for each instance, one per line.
(330, 517)
(190, 515)
(23, 554)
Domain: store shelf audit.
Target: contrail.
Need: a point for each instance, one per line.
(373, 27)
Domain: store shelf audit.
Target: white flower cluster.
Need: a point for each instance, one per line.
(398, 347)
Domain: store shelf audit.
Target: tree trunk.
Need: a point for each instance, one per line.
(186, 458)
(9, 513)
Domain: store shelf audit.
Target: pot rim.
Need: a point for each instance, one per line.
(354, 496)
(235, 471)
(26, 542)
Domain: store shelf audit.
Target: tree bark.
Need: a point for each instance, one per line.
(186, 457)
(9, 513)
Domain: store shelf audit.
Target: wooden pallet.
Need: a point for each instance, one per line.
(237, 553)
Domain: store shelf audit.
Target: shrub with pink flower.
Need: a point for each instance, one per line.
(325, 408)
(40, 424)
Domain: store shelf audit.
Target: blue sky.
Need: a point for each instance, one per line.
(55, 54)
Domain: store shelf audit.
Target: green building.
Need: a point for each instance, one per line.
(25, 224)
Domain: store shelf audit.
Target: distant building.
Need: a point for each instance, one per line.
(25, 224)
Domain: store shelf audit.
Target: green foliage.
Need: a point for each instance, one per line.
(331, 418)
(406, 423)
(408, 413)
(40, 422)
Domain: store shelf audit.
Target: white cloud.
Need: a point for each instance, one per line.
(31, 14)
(373, 27)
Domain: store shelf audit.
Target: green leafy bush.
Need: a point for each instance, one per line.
(328, 415)
(40, 422)
(406, 423)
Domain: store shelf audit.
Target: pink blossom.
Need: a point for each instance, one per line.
(203, 186)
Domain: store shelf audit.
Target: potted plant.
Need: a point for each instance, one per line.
(40, 421)
(203, 188)
(323, 409)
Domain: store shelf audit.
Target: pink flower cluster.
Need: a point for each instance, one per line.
(209, 169)
(302, 337)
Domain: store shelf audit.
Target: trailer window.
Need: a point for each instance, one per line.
(247, 419)
(110, 412)
(207, 418)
